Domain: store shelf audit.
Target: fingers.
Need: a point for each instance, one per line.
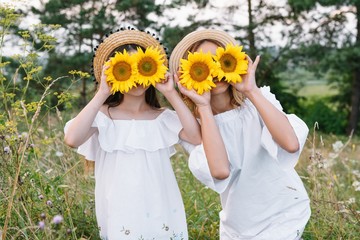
(176, 77)
(257, 60)
(186, 91)
(182, 88)
(249, 59)
(253, 65)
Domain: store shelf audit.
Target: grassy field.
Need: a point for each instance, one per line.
(52, 181)
(316, 88)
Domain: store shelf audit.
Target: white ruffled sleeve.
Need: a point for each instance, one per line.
(199, 167)
(286, 160)
(89, 149)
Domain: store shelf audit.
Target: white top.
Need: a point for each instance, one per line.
(263, 198)
(136, 193)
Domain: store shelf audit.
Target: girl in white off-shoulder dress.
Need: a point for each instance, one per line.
(136, 193)
(248, 155)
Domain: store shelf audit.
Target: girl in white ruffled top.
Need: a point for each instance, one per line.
(248, 154)
(131, 140)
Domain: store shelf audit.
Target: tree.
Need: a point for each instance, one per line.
(256, 32)
(335, 48)
(85, 23)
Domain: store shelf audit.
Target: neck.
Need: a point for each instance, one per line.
(134, 104)
(221, 103)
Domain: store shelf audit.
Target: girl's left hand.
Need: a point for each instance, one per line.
(167, 85)
(248, 83)
(199, 100)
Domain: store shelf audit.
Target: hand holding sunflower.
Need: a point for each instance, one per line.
(104, 88)
(166, 86)
(249, 83)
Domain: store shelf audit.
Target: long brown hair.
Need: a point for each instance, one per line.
(236, 97)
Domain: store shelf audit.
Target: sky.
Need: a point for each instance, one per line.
(239, 16)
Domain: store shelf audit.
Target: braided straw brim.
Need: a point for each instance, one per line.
(121, 38)
(184, 45)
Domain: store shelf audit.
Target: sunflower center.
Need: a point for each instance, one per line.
(147, 66)
(122, 71)
(199, 71)
(228, 63)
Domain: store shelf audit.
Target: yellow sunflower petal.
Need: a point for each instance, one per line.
(197, 72)
(121, 72)
(150, 66)
(232, 62)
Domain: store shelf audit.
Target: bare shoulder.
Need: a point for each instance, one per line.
(105, 110)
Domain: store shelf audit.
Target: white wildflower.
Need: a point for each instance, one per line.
(59, 154)
(337, 146)
(351, 200)
(356, 185)
(356, 173)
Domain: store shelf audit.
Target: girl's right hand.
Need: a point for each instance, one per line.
(104, 87)
(199, 100)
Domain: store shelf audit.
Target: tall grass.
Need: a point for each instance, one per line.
(45, 192)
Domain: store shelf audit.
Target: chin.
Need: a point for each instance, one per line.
(137, 91)
(220, 87)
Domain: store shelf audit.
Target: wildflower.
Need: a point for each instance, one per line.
(337, 146)
(7, 149)
(41, 197)
(356, 185)
(57, 219)
(59, 154)
(41, 225)
(49, 203)
(68, 231)
(43, 215)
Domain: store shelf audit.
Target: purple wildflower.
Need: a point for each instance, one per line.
(41, 225)
(7, 149)
(57, 219)
(49, 203)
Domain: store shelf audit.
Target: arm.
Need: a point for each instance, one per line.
(80, 128)
(191, 129)
(277, 123)
(214, 146)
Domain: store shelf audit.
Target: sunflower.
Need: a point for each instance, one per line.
(150, 66)
(121, 72)
(233, 62)
(197, 72)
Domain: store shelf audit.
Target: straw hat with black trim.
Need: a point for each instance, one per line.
(185, 44)
(120, 38)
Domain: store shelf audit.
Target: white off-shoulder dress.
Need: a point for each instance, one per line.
(136, 193)
(263, 198)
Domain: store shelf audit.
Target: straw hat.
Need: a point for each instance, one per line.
(184, 45)
(120, 38)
